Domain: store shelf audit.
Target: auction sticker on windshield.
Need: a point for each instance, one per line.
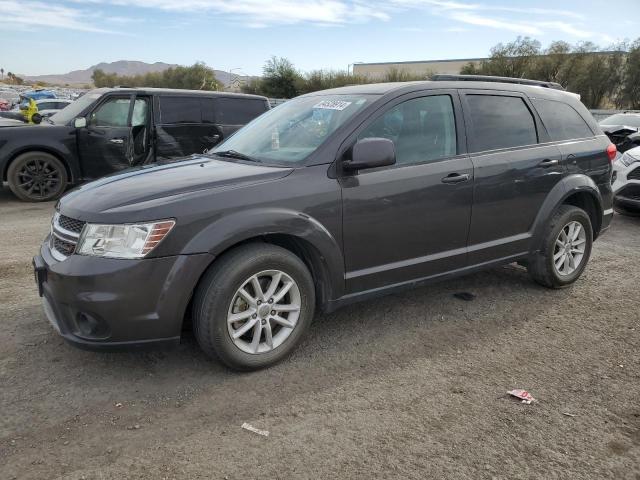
(332, 104)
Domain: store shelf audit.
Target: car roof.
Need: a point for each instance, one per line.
(406, 87)
(180, 92)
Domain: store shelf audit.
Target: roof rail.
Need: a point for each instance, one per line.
(121, 86)
(489, 78)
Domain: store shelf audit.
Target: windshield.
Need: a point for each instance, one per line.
(622, 119)
(75, 109)
(294, 130)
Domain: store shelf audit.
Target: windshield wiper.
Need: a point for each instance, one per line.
(235, 154)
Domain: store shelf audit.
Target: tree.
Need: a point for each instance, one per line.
(196, 77)
(630, 91)
(280, 78)
(2, 73)
(514, 59)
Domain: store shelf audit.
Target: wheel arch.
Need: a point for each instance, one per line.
(578, 190)
(44, 149)
(298, 233)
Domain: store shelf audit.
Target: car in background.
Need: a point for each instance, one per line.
(623, 130)
(39, 94)
(49, 106)
(111, 129)
(10, 95)
(626, 182)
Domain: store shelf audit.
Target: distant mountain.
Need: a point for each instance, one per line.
(121, 67)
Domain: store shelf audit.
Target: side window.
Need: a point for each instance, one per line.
(113, 113)
(422, 129)
(46, 106)
(561, 120)
(238, 111)
(501, 122)
(176, 110)
(140, 109)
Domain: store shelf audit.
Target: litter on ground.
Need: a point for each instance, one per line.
(251, 428)
(522, 395)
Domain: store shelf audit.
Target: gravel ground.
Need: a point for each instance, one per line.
(407, 386)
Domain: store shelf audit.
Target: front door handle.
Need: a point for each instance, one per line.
(117, 141)
(456, 178)
(548, 163)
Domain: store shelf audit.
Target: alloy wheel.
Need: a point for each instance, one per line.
(264, 311)
(38, 178)
(569, 248)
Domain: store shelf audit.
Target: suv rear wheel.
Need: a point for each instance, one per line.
(253, 305)
(566, 248)
(37, 177)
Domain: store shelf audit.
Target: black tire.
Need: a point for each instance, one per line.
(37, 177)
(541, 266)
(217, 289)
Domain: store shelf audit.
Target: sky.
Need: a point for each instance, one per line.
(57, 36)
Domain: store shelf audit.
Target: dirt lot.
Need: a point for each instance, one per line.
(407, 386)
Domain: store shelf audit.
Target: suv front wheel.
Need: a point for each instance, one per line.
(253, 305)
(565, 250)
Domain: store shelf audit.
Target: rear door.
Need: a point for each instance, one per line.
(232, 113)
(515, 167)
(180, 128)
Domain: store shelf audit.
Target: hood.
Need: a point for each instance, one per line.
(149, 186)
(8, 122)
(618, 129)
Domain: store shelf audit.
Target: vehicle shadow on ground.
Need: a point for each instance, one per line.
(368, 331)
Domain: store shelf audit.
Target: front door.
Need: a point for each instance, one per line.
(116, 136)
(410, 220)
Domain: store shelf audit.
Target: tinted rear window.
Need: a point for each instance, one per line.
(232, 111)
(561, 120)
(501, 122)
(180, 110)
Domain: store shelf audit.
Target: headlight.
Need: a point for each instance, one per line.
(122, 241)
(627, 159)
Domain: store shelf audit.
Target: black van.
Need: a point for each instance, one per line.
(333, 197)
(111, 129)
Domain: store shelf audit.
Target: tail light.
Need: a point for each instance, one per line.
(611, 152)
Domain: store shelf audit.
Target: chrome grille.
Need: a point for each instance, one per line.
(63, 247)
(65, 233)
(71, 224)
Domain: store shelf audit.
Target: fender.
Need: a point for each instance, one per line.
(50, 139)
(243, 225)
(559, 193)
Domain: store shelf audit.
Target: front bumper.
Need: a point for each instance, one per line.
(109, 304)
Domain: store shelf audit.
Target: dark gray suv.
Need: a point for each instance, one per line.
(330, 198)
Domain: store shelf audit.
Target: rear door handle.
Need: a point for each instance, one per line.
(456, 178)
(548, 163)
(117, 141)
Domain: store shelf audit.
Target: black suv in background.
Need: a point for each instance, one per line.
(110, 129)
(330, 198)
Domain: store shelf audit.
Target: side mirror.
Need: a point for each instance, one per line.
(80, 122)
(371, 153)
